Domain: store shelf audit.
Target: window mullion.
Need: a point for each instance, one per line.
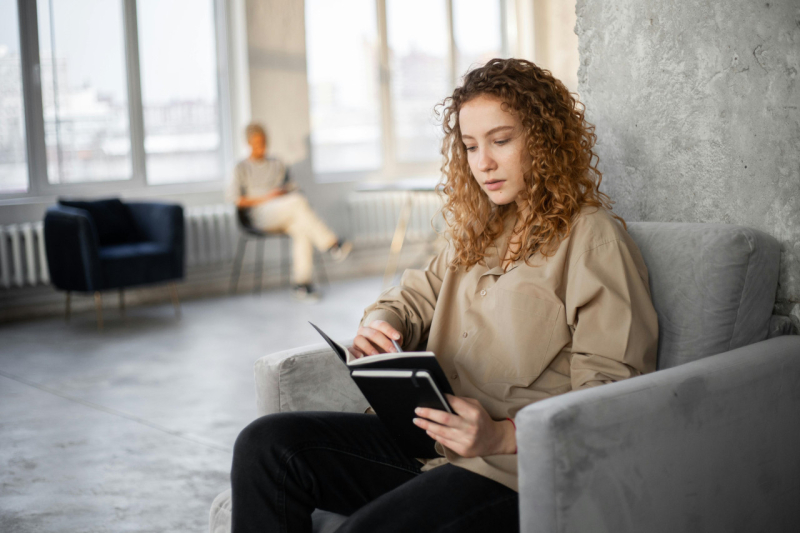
(453, 47)
(387, 120)
(32, 96)
(135, 109)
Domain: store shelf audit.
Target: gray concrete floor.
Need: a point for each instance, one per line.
(131, 429)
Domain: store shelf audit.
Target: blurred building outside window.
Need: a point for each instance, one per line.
(179, 90)
(13, 152)
(376, 71)
(104, 72)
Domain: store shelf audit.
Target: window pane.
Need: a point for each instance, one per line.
(13, 160)
(417, 38)
(84, 94)
(476, 25)
(178, 65)
(342, 52)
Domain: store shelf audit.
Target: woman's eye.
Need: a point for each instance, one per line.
(470, 148)
(502, 141)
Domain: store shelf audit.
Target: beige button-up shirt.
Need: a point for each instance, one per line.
(580, 318)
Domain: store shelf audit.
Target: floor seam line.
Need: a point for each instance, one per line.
(111, 411)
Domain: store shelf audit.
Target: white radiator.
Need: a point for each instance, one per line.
(22, 257)
(210, 239)
(374, 216)
(212, 233)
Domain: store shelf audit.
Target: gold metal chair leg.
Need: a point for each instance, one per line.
(67, 310)
(122, 302)
(176, 303)
(98, 308)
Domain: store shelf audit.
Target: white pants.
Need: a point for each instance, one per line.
(291, 214)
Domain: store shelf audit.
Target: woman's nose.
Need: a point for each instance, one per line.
(485, 161)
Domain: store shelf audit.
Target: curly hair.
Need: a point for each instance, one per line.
(562, 177)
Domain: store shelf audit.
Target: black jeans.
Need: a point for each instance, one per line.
(286, 465)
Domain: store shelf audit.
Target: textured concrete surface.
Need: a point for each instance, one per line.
(697, 108)
(132, 429)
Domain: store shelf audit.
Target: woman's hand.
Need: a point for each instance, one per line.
(470, 432)
(374, 339)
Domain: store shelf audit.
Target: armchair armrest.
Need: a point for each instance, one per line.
(712, 445)
(311, 378)
(70, 238)
(162, 223)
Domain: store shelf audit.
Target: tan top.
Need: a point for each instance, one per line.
(255, 178)
(581, 318)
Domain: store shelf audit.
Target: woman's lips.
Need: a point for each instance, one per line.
(493, 185)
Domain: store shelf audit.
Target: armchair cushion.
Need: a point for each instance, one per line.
(128, 265)
(112, 219)
(713, 286)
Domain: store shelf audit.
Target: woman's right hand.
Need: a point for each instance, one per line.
(375, 338)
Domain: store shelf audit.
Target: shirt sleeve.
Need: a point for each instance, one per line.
(608, 303)
(409, 306)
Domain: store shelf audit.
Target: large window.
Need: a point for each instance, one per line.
(377, 69)
(99, 92)
(179, 90)
(13, 161)
(84, 94)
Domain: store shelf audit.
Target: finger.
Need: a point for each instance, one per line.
(378, 339)
(358, 354)
(440, 417)
(366, 347)
(440, 431)
(463, 408)
(387, 329)
(455, 446)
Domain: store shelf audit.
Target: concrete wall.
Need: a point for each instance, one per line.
(697, 108)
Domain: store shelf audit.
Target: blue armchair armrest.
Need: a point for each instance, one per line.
(712, 445)
(72, 250)
(163, 224)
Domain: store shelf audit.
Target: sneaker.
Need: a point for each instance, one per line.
(340, 250)
(305, 292)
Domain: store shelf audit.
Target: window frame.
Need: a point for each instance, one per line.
(38, 182)
(392, 169)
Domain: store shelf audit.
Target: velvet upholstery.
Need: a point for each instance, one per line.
(108, 244)
(710, 445)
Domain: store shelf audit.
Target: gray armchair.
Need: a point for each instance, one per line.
(710, 442)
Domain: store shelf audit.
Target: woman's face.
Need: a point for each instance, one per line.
(496, 150)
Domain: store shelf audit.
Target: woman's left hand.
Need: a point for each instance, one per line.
(470, 432)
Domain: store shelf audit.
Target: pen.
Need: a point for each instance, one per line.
(396, 346)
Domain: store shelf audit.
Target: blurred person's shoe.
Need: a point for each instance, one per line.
(340, 250)
(305, 292)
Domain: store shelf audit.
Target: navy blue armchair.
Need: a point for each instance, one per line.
(102, 245)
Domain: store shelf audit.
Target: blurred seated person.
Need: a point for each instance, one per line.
(260, 187)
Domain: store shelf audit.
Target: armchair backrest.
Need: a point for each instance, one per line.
(112, 218)
(713, 286)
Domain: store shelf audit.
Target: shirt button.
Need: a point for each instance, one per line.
(483, 292)
(464, 334)
(454, 376)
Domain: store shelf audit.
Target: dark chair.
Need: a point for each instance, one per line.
(95, 246)
(248, 232)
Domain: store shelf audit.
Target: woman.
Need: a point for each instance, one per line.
(540, 292)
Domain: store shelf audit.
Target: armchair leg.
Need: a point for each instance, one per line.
(67, 310)
(176, 303)
(98, 309)
(122, 302)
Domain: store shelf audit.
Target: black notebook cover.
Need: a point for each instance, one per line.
(394, 394)
(394, 385)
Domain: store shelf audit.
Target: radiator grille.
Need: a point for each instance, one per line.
(374, 216)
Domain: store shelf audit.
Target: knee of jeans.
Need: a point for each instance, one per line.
(267, 434)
